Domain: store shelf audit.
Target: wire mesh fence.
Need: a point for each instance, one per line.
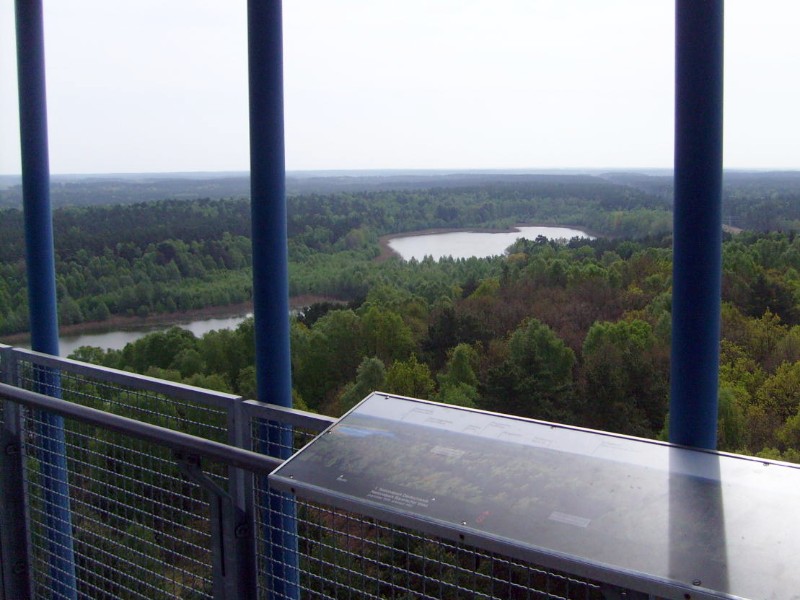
(339, 554)
(345, 555)
(194, 411)
(276, 514)
(140, 529)
(281, 438)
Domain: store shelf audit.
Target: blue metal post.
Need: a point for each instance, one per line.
(271, 272)
(40, 259)
(697, 265)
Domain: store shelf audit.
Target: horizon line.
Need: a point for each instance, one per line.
(407, 171)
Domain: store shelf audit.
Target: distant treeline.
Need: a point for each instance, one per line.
(763, 201)
(759, 201)
(131, 189)
(175, 255)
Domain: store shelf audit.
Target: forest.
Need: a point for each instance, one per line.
(575, 331)
(177, 255)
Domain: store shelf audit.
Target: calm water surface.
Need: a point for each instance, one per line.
(459, 244)
(466, 244)
(117, 339)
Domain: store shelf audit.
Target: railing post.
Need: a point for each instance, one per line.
(15, 547)
(697, 266)
(233, 564)
(270, 273)
(40, 263)
(240, 488)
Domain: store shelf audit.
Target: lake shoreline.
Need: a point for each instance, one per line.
(134, 323)
(387, 252)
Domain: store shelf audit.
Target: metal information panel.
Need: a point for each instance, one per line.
(645, 515)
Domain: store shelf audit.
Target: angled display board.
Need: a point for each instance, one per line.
(667, 520)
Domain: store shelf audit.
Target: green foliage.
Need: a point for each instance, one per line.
(370, 377)
(535, 378)
(495, 333)
(732, 426)
(459, 394)
(327, 355)
(410, 378)
(623, 378)
(174, 255)
(460, 368)
(575, 332)
(458, 383)
(386, 335)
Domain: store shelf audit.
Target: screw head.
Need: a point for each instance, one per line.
(241, 531)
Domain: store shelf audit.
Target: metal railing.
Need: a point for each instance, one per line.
(169, 499)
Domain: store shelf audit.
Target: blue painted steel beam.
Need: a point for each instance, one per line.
(271, 273)
(697, 265)
(40, 264)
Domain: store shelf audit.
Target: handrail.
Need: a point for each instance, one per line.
(289, 416)
(182, 391)
(176, 440)
(119, 377)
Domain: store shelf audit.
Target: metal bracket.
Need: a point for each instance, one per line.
(232, 539)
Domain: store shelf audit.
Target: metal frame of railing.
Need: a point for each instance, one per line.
(166, 506)
(231, 536)
(191, 423)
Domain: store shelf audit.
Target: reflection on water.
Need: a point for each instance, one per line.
(466, 244)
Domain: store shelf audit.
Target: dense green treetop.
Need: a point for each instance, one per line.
(577, 331)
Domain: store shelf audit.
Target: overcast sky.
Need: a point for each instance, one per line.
(160, 85)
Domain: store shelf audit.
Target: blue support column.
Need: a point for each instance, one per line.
(40, 259)
(697, 265)
(271, 272)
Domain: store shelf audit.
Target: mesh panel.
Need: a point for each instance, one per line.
(133, 401)
(285, 439)
(345, 555)
(140, 529)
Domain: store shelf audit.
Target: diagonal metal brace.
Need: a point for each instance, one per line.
(232, 540)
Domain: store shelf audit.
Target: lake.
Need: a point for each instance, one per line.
(466, 244)
(118, 338)
(458, 244)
